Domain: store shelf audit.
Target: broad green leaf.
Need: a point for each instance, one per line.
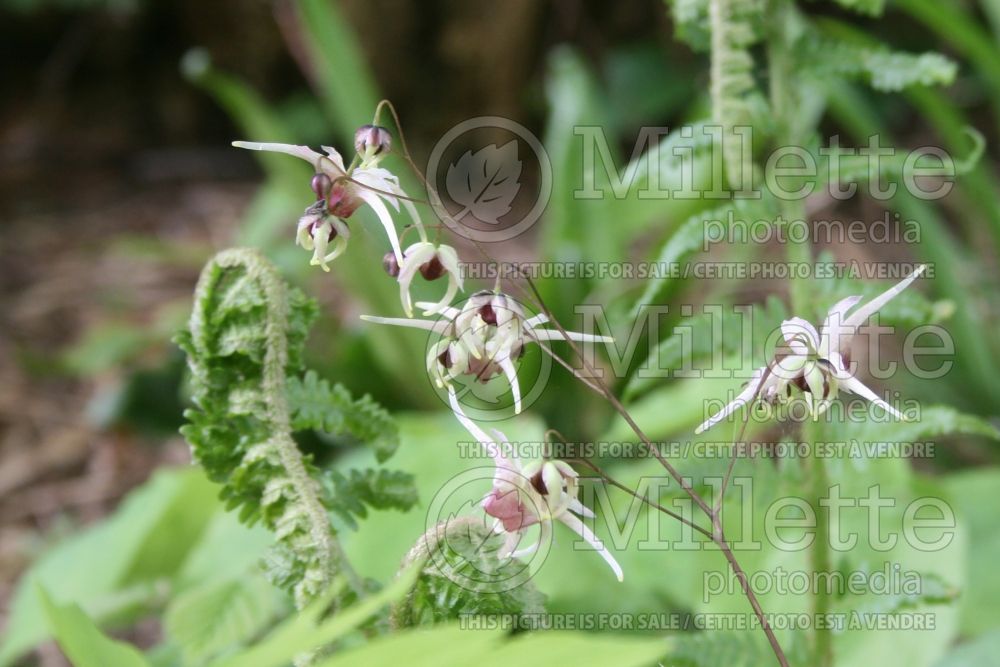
(974, 494)
(345, 85)
(453, 646)
(81, 640)
(302, 633)
(982, 652)
(935, 421)
(118, 582)
(220, 615)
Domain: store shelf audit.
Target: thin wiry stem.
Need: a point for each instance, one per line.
(610, 480)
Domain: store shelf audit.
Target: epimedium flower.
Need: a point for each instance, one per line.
(432, 261)
(372, 142)
(341, 190)
(816, 364)
(483, 338)
(537, 492)
(317, 229)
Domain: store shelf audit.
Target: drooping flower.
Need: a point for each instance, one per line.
(483, 339)
(432, 261)
(816, 364)
(317, 229)
(343, 190)
(372, 142)
(524, 494)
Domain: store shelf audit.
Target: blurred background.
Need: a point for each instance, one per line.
(117, 182)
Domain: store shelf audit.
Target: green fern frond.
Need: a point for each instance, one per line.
(736, 101)
(245, 336)
(462, 576)
(348, 495)
(885, 70)
(318, 405)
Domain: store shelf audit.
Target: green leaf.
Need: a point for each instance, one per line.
(974, 495)
(81, 640)
(453, 646)
(119, 581)
(731, 649)
(302, 633)
(219, 616)
(935, 421)
(345, 84)
(708, 336)
(689, 239)
(316, 404)
(250, 112)
(983, 652)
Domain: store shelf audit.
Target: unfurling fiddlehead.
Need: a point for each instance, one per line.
(244, 345)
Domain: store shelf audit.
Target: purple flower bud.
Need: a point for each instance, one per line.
(321, 185)
(372, 140)
(390, 264)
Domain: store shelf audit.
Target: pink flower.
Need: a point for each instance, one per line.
(539, 492)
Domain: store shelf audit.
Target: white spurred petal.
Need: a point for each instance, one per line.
(536, 320)
(415, 256)
(339, 246)
(509, 544)
(855, 386)
(861, 315)
(840, 370)
(375, 202)
(303, 152)
(448, 312)
(833, 338)
(814, 380)
(741, 399)
(507, 365)
(577, 526)
(789, 367)
(470, 426)
(576, 506)
(800, 335)
(551, 334)
(437, 326)
(333, 155)
(379, 182)
(449, 260)
(449, 294)
(412, 211)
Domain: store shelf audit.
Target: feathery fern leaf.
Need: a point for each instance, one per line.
(244, 345)
(318, 405)
(882, 68)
